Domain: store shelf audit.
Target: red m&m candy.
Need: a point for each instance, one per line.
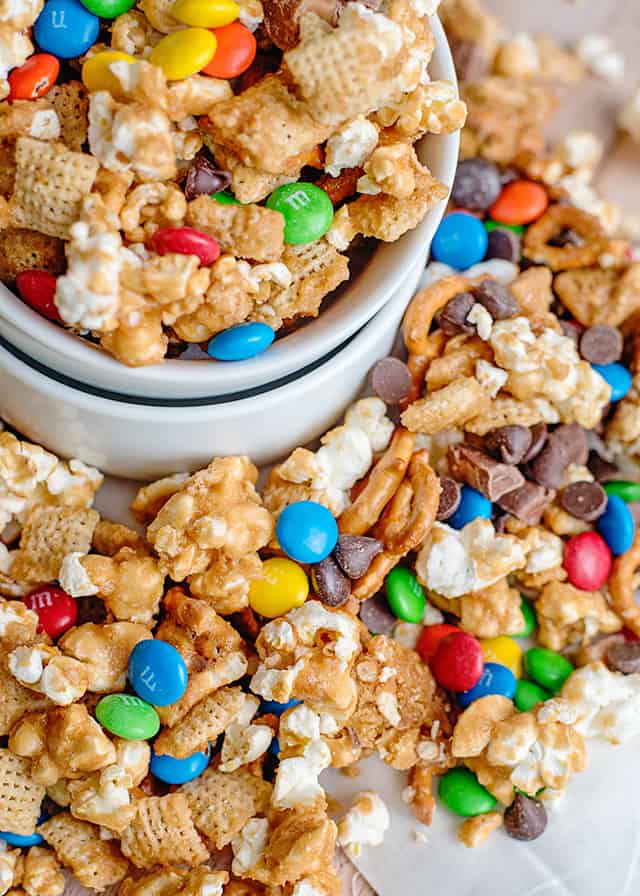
(458, 662)
(521, 202)
(587, 560)
(34, 78)
(430, 637)
(185, 241)
(235, 51)
(37, 289)
(56, 610)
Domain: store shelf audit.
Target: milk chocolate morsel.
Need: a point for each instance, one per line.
(482, 472)
(527, 503)
(354, 553)
(282, 18)
(509, 443)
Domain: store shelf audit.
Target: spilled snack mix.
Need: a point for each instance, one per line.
(188, 169)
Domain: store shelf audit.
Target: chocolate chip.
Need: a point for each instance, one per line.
(503, 243)
(527, 503)
(330, 583)
(391, 380)
(601, 468)
(601, 344)
(566, 237)
(596, 650)
(509, 443)
(453, 317)
(625, 657)
(282, 18)
(584, 500)
(469, 58)
(574, 441)
(482, 472)
(548, 467)
(204, 178)
(496, 298)
(571, 330)
(477, 185)
(354, 553)
(90, 609)
(376, 615)
(525, 818)
(538, 439)
(449, 498)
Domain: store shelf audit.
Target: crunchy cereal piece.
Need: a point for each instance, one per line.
(199, 881)
(20, 794)
(475, 831)
(158, 13)
(568, 616)
(460, 358)
(151, 206)
(104, 652)
(48, 535)
(600, 296)
(131, 584)
(112, 187)
(593, 242)
(162, 833)
(94, 862)
(534, 295)
(50, 184)
(71, 103)
(266, 127)
(454, 405)
(24, 250)
(248, 184)
(44, 669)
(507, 411)
(8, 167)
(195, 96)
(492, 611)
(42, 875)
(18, 624)
(469, 22)
(15, 699)
(390, 169)
(248, 231)
(222, 803)
(109, 537)
(33, 118)
(204, 723)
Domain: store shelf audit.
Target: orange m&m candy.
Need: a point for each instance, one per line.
(34, 78)
(521, 202)
(235, 52)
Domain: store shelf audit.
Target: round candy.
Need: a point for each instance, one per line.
(405, 595)
(66, 29)
(530, 621)
(37, 289)
(628, 491)
(127, 717)
(587, 560)
(277, 709)
(241, 342)
(186, 241)
(96, 74)
(183, 53)
(307, 211)
(430, 637)
(497, 225)
(157, 672)
(473, 504)
(460, 241)
(521, 202)
(503, 650)
(108, 9)
(205, 13)
(618, 377)
(178, 771)
(282, 586)
(457, 663)
(547, 667)
(477, 184)
(226, 197)
(460, 791)
(34, 78)
(21, 840)
(616, 525)
(235, 52)
(56, 610)
(495, 679)
(307, 531)
(528, 694)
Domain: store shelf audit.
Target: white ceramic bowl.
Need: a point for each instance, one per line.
(142, 441)
(65, 353)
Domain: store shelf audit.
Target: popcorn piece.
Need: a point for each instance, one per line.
(131, 584)
(150, 206)
(48, 535)
(173, 881)
(606, 703)
(492, 612)
(390, 170)
(10, 868)
(350, 146)
(62, 679)
(173, 284)
(364, 824)
(296, 783)
(94, 862)
(244, 742)
(222, 804)
(18, 624)
(629, 117)
(568, 616)
(20, 795)
(248, 231)
(15, 699)
(104, 651)
(250, 184)
(162, 833)
(15, 49)
(596, 52)
(432, 108)
(133, 33)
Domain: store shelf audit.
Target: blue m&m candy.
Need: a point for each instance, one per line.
(618, 377)
(616, 525)
(307, 531)
(473, 504)
(277, 709)
(157, 672)
(178, 771)
(495, 679)
(66, 29)
(24, 840)
(460, 241)
(241, 342)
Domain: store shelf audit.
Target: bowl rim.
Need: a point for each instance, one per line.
(60, 349)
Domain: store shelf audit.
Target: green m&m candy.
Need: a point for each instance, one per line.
(628, 491)
(528, 694)
(547, 667)
(108, 9)
(405, 595)
(460, 791)
(494, 225)
(307, 211)
(128, 717)
(226, 197)
(530, 621)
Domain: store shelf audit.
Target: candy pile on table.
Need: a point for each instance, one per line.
(195, 172)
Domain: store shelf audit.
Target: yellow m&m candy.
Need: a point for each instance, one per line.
(282, 586)
(505, 651)
(205, 13)
(97, 74)
(184, 53)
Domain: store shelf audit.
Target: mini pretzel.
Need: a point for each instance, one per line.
(421, 512)
(621, 586)
(556, 219)
(422, 308)
(418, 365)
(383, 483)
